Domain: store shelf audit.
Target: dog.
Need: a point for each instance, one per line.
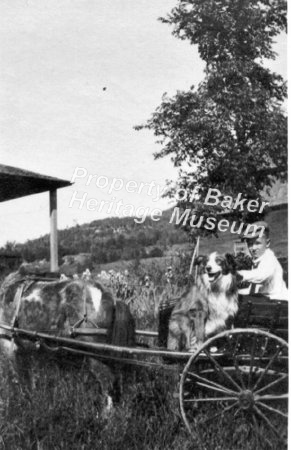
(207, 307)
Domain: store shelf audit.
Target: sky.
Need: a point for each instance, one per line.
(76, 76)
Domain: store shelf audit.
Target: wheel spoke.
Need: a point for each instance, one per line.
(273, 410)
(266, 420)
(238, 372)
(222, 370)
(267, 367)
(220, 413)
(211, 399)
(236, 344)
(208, 386)
(237, 412)
(234, 356)
(271, 397)
(282, 378)
(205, 380)
(252, 359)
(264, 347)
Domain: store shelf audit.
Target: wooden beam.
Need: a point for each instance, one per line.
(75, 343)
(103, 332)
(53, 232)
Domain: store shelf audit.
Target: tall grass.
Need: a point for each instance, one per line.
(64, 412)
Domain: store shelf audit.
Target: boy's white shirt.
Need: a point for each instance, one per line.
(268, 275)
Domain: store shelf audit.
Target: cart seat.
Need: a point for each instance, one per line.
(257, 311)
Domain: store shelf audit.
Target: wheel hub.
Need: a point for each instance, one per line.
(246, 399)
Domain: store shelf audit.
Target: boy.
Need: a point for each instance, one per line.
(266, 277)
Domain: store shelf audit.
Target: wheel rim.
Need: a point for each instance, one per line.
(238, 377)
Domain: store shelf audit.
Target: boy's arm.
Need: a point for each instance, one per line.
(264, 270)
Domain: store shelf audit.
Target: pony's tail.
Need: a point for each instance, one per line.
(122, 330)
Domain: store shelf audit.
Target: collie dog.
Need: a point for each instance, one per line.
(206, 308)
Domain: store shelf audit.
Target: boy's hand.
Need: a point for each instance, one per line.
(243, 262)
(241, 284)
(239, 278)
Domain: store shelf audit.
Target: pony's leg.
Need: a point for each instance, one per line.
(8, 349)
(105, 378)
(18, 365)
(119, 382)
(24, 372)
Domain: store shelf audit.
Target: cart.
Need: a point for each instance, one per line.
(237, 377)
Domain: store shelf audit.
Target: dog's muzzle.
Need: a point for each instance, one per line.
(212, 276)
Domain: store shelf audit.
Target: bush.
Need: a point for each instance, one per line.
(156, 252)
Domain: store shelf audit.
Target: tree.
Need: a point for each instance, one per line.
(120, 241)
(142, 239)
(229, 133)
(10, 247)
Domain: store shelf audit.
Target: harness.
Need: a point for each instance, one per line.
(26, 283)
(84, 319)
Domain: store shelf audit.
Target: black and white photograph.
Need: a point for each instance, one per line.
(144, 225)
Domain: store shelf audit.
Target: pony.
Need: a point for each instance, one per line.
(207, 307)
(61, 307)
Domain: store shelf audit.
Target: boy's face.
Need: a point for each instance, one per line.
(257, 246)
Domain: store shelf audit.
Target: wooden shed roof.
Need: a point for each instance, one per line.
(15, 183)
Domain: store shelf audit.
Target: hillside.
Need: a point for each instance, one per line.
(110, 240)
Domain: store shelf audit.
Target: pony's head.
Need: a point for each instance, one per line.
(9, 286)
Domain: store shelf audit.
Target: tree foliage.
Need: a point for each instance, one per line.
(230, 132)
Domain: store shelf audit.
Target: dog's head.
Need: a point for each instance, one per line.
(214, 266)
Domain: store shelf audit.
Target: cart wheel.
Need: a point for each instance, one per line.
(234, 390)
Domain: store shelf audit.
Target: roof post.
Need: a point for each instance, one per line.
(53, 232)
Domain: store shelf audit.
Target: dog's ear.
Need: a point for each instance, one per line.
(230, 262)
(199, 260)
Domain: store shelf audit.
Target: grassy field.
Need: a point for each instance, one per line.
(65, 408)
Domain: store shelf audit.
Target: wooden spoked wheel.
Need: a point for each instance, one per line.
(235, 389)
